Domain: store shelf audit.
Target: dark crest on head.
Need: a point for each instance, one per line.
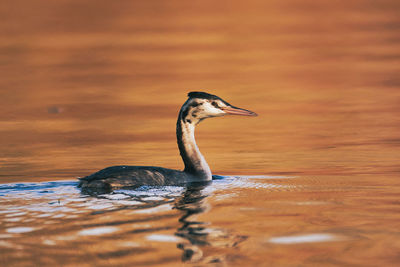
(205, 95)
(202, 95)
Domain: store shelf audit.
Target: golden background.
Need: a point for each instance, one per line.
(89, 84)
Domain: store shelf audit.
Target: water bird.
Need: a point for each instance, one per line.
(198, 106)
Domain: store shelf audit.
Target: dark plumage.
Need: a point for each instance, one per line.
(133, 176)
(204, 95)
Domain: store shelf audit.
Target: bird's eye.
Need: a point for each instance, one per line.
(215, 104)
(195, 104)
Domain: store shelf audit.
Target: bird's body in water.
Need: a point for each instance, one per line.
(198, 107)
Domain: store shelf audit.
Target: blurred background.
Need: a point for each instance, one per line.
(89, 84)
(93, 83)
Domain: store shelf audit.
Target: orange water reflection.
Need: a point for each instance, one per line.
(94, 84)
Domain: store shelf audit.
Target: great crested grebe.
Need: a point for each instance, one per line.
(198, 107)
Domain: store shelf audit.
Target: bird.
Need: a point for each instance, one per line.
(198, 106)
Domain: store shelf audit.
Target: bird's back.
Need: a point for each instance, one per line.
(132, 176)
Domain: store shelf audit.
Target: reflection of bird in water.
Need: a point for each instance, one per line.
(197, 233)
(198, 107)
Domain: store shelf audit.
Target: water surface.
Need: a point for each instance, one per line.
(313, 181)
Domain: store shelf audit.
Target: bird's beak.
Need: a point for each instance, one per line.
(238, 111)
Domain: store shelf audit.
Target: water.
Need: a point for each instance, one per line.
(127, 226)
(313, 181)
(235, 220)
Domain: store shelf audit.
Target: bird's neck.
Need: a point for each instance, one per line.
(194, 161)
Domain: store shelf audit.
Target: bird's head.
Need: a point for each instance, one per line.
(201, 105)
